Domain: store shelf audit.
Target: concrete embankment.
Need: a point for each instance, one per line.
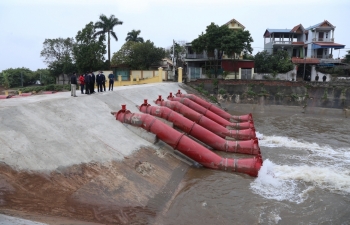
(66, 157)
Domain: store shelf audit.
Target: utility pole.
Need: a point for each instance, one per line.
(174, 58)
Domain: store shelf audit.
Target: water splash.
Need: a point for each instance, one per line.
(293, 183)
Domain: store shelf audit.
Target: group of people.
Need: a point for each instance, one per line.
(324, 78)
(87, 82)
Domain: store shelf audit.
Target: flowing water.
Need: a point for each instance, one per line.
(305, 177)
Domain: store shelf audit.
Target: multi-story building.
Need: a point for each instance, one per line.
(314, 42)
(198, 62)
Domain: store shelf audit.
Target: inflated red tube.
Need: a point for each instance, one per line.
(241, 125)
(204, 121)
(214, 108)
(218, 143)
(189, 147)
(198, 108)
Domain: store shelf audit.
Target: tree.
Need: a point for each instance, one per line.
(123, 55)
(347, 57)
(89, 50)
(279, 62)
(139, 56)
(16, 76)
(218, 40)
(134, 36)
(106, 25)
(58, 55)
(143, 55)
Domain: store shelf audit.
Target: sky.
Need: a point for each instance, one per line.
(26, 24)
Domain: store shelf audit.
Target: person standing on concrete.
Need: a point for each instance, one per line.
(317, 77)
(99, 82)
(92, 83)
(82, 83)
(111, 81)
(103, 81)
(87, 84)
(73, 85)
(324, 78)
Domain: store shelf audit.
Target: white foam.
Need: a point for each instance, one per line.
(293, 183)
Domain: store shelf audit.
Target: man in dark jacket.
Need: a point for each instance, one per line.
(87, 83)
(92, 83)
(99, 81)
(73, 85)
(111, 81)
(103, 81)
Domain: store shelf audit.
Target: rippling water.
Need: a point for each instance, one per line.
(305, 178)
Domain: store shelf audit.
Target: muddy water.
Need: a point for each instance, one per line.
(305, 178)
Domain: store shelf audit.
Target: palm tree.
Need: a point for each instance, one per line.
(133, 36)
(106, 25)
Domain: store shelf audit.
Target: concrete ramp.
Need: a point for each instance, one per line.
(69, 157)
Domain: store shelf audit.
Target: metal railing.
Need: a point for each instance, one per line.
(195, 56)
(323, 39)
(282, 42)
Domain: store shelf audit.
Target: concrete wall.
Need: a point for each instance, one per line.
(330, 94)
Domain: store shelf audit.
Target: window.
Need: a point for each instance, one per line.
(327, 35)
(306, 36)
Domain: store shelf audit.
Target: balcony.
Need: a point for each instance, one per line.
(282, 42)
(323, 39)
(196, 56)
(327, 59)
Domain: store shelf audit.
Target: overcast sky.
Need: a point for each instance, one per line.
(25, 24)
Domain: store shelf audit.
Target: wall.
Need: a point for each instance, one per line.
(310, 94)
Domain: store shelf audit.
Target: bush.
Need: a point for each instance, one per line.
(50, 87)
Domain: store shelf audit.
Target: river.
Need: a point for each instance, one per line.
(305, 177)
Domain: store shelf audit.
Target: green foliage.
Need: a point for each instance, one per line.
(279, 62)
(325, 94)
(221, 39)
(250, 92)
(263, 92)
(347, 57)
(6, 82)
(134, 36)
(139, 56)
(15, 76)
(106, 25)
(58, 55)
(89, 51)
(222, 91)
(294, 97)
(51, 87)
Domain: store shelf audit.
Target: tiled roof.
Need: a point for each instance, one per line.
(306, 60)
(278, 30)
(297, 27)
(328, 44)
(233, 20)
(317, 25)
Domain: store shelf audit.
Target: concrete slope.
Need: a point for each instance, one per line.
(46, 132)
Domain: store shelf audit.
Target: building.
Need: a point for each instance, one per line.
(314, 42)
(197, 63)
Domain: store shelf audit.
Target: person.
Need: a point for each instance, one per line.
(111, 81)
(99, 81)
(87, 83)
(92, 83)
(317, 77)
(324, 78)
(103, 81)
(73, 85)
(82, 83)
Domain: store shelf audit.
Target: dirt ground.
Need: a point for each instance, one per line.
(133, 191)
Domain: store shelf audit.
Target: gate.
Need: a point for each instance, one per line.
(125, 73)
(246, 74)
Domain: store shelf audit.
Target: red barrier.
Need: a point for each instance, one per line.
(207, 137)
(189, 147)
(214, 108)
(4, 96)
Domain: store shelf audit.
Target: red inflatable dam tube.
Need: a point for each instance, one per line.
(214, 108)
(207, 137)
(189, 147)
(244, 134)
(200, 109)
